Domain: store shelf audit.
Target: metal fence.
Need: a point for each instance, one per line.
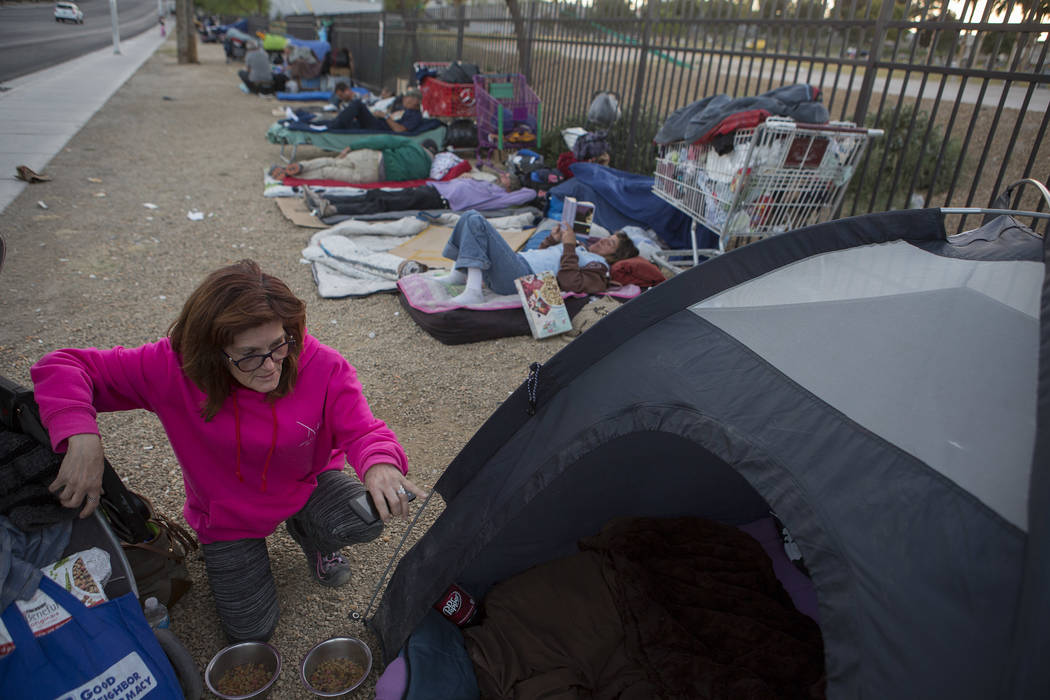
(963, 98)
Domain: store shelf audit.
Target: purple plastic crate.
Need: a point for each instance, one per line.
(520, 105)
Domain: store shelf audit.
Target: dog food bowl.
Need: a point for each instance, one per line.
(243, 659)
(331, 652)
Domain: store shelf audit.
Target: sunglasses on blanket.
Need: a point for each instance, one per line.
(250, 363)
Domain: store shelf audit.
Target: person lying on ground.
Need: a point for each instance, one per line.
(458, 194)
(262, 418)
(258, 73)
(481, 255)
(378, 158)
(356, 114)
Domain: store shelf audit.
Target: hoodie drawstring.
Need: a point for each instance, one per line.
(237, 431)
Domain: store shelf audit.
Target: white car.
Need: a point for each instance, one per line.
(68, 12)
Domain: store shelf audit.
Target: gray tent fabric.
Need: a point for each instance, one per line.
(848, 376)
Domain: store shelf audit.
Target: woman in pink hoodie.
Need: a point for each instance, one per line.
(262, 418)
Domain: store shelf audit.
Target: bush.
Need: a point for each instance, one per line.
(641, 159)
(909, 152)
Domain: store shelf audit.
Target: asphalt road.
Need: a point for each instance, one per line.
(31, 39)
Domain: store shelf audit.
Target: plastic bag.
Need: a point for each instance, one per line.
(604, 109)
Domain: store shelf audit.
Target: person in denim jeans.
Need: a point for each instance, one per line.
(482, 256)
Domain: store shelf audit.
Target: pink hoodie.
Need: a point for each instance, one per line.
(283, 446)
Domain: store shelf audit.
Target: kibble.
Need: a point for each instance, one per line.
(243, 679)
(334, 675)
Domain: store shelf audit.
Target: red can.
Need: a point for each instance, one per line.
(457, 605)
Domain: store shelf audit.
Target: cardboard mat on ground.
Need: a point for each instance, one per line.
(426, 246)
(295, 210)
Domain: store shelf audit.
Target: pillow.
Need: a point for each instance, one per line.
(456, 170)
(636, 270)
(442, 163)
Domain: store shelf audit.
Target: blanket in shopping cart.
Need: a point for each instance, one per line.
(716, 115)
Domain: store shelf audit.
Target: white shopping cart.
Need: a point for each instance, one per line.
(757, 182)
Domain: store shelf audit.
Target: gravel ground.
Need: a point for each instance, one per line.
(97, 268)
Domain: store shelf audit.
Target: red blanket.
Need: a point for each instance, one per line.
(455, 171)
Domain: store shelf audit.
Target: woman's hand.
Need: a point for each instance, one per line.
(389, 489)
(568, 235)
(80, 476)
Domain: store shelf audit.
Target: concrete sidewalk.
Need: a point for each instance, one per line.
(42, 111)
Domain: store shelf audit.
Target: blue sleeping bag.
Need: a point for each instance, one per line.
(625, 199)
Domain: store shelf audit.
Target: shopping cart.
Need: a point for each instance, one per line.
(443, 99)
(757, 182)
(509, 114)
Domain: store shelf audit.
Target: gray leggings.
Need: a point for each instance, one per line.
(239, 570)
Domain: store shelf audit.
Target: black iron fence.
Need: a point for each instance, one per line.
(963, 98)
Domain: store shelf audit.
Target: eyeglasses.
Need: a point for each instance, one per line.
(250, 363)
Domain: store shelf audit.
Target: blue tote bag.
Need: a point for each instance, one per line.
(106, 651)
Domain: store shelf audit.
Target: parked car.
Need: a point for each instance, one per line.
(68, 12)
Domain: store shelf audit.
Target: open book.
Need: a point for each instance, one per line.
(577, 214)
(544, 308)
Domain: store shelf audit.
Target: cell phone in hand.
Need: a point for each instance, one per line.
(365, 507)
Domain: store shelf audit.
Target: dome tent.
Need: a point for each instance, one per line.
(871, 380)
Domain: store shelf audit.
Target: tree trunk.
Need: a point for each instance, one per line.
(521, 37)
(186, 39)
(408, 13)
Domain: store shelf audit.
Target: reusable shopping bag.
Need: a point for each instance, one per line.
(106, 651)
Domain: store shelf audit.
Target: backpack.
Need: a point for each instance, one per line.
(542, 178)
(461, 133)
(458, 72)
(590, 145)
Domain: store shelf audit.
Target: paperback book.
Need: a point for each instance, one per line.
(544, 308)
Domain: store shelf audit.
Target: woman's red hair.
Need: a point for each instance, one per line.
(229, 301)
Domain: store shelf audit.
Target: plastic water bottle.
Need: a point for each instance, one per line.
(156, 613)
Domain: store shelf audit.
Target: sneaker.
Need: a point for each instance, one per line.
(329, 569)
(410, 267)
(316, 203)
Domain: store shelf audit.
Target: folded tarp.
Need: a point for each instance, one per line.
(623, 199)
(319, 48)
(306, 96)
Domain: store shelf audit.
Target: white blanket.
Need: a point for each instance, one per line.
(350, 259)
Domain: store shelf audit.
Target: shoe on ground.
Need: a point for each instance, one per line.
(410, 267)
(328, 569)
(24, 172)
(316, 203)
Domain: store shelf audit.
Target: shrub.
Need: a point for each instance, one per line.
(909, 151)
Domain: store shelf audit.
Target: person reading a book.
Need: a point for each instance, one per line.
(482, 257)
(262, 417)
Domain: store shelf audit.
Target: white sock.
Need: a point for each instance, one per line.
(457, 276)
(468, 297)
(474, 279)
(472, 294)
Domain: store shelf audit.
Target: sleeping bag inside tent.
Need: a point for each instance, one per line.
(872, 381)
